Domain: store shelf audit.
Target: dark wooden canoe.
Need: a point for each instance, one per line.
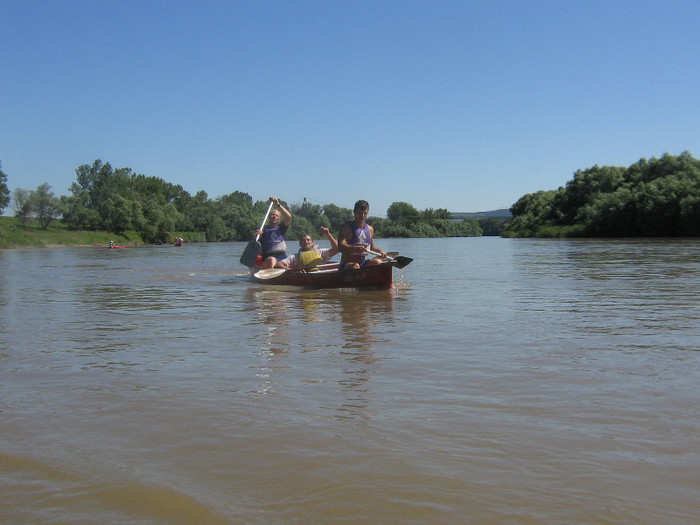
(378, 276)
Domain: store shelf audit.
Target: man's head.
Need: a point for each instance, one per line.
(361, 205)
(361, 210)
(306, 242)
(275, 217)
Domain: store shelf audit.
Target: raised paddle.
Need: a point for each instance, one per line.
(253, 249)
(399, 261)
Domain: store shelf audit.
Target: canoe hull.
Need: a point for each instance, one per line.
(379, 276)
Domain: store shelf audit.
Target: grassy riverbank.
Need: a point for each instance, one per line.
(14, 235)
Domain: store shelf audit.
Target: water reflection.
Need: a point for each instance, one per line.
(338, 330)
(271, 309)
(363, 316)
(271, 330)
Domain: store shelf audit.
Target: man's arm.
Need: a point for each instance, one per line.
(287, 215)
(373, 246)
(288, 262)
(334, 244)
(344, 235)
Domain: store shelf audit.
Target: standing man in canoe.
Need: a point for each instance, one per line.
(355, 238)
(272, 236)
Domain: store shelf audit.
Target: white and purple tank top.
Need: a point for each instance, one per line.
(361, 236)
(273, 241)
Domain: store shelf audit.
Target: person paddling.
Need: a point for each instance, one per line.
(274, 247)
(310, 254)
(355, 238)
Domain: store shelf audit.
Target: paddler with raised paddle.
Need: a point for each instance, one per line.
(272, 244)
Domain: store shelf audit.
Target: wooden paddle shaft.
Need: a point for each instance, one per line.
(379, 254)
(269, 209)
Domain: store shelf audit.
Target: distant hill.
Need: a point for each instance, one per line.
(496, 214)
(491, 222)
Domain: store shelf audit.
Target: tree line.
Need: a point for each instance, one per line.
(659, 197)
(4, 190)
(119, 200)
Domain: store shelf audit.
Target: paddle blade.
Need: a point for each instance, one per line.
(401, 262)
(269, 273)
(250, 254)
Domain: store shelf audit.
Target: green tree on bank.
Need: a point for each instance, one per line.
(22, 205)
(46, 206)
(4, 190)
(651, 198)
(40, 203)
(119, 200)
(404, 220)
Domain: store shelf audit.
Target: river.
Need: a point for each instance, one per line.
(500, 381)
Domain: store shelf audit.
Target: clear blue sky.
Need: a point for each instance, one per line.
(464, 105)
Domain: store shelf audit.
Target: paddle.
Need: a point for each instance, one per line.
(399, 261)
(269, 273)
(251, 252)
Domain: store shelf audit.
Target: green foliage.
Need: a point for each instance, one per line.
(22, 205)
(651, 198)
(45, 205)
(40, 203)
(656, 197)
(403, 213)
(238, 219)
(404, 220)
(4, 190)
(336, 216)
(491, 226)
(426, 229)
(307, 219)
(533, 211)
(429, 214)
(117, 201)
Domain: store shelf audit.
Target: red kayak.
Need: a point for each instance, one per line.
(378, 276)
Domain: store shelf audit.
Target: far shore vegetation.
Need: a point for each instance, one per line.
(659, 197)
(117, 204)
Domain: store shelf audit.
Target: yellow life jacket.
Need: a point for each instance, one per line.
(309, 258)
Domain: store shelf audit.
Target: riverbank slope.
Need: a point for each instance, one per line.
(14, 235)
